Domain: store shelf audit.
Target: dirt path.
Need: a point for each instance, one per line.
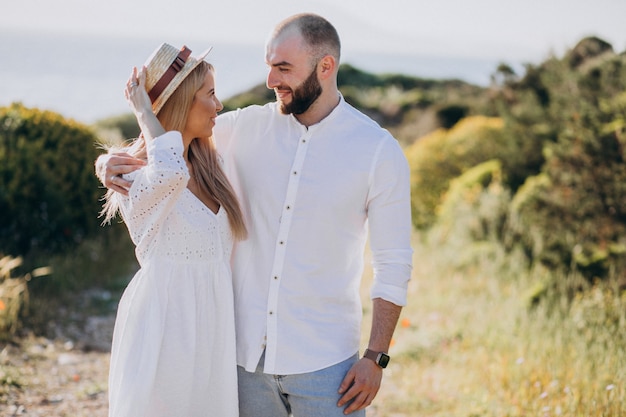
(64, 374)
(53, 379)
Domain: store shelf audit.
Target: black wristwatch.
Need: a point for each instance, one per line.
(380, 358)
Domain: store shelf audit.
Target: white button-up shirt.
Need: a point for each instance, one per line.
(308, 196)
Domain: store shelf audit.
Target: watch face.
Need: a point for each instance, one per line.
(383, 360)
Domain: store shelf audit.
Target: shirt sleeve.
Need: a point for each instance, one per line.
(223, 130)
(155, 189)
(389, 218)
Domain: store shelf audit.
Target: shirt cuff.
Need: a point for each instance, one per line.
(391, 293)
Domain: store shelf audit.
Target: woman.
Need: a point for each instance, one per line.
(173, 351)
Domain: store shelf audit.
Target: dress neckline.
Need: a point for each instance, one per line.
(207, 208)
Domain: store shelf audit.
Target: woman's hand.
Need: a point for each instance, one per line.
(136, 94)
(140, 103)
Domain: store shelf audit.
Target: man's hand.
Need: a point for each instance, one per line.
(362, 381)
(360, 385)
(110, 167)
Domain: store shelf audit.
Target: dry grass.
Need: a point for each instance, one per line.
(468, 345)
(14, 293)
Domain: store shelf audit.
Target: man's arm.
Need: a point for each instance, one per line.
(110, 167)
(384, 320)
(389, 217)
(362, 382)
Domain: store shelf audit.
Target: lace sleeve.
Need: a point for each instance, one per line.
(155, 189)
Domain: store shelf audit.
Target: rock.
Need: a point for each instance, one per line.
(68, 359)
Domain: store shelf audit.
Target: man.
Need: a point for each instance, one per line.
(312, 174)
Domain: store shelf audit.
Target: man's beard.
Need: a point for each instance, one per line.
(303, 96)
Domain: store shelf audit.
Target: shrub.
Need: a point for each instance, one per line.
(114, 130)
(476, 203)
(48, 190)
(573, 214)
(438, 158)
(349, 75)
(258, 95)
(449, 115)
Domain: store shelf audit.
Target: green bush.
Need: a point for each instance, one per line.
(449, 115)
(572, 214)
(114, 130)
(443, 155)
(48, 191)
(472, 214)
(258, 95)
(476, 203)
(349, 75)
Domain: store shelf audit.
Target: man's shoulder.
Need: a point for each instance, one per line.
(364, 127)
(363, 121)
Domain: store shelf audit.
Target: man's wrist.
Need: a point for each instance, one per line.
(380, 358)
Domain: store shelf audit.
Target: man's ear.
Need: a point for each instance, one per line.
(327, 66)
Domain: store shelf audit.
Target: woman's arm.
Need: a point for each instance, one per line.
(111, 166)
(140, 103)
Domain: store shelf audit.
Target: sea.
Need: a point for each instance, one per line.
(83, 77)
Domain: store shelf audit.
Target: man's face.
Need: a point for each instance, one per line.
(303, 95)
(290, 76)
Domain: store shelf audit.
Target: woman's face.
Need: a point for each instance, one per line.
(204, 110)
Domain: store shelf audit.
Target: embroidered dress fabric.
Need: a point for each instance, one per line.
(173, 351)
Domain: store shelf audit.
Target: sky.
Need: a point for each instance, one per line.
(508, 29)
(431, 35)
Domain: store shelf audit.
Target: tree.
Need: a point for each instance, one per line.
(573, 214)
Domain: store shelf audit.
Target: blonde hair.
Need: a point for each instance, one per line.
(202, 154)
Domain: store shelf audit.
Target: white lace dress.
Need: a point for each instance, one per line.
(173, 350)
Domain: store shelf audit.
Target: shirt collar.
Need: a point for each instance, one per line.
(326, 120)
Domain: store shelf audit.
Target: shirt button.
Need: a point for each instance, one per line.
(295, 172)
(288, 207)
(271, 312)
(275, 277)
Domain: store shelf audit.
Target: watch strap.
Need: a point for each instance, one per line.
(376, 357)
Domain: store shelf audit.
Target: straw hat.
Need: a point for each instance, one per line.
(166, 68)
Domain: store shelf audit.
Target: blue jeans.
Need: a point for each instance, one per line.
(312, 394)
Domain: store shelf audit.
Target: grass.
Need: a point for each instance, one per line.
(469, 344)
(88, 278)
(14, 294)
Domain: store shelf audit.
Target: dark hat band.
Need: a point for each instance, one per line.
(169, 74)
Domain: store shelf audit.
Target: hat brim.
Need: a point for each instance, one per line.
(190, 65)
